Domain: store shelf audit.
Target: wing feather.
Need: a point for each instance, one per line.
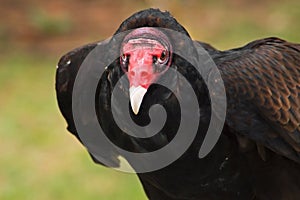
(67, 69)
(66, 72)
(263, 79)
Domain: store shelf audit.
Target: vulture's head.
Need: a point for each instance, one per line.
(146, 53)
(147, 50)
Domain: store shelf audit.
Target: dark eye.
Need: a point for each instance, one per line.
(163, 59)
(124, 61)
(160, 63)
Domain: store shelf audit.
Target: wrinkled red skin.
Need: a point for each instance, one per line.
(141, 54)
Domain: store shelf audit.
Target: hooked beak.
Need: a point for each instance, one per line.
(136, 97)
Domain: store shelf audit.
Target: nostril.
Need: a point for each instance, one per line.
(131, 73)
(144, 74)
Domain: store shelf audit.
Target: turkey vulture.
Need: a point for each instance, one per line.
(257, 155)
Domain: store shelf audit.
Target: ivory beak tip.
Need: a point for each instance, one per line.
(136, 97)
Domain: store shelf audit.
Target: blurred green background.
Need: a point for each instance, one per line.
(39, 159)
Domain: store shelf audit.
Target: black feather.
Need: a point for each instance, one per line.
(258, 153)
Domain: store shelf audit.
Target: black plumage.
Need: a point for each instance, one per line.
(257, 155)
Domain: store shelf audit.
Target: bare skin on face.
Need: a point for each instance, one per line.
(144, 60)
(142, 57)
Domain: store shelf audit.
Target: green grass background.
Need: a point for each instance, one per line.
(39, 159)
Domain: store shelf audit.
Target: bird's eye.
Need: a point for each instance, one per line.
(124, 62)
(160, 63)
(163, 58)
(124, 57)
